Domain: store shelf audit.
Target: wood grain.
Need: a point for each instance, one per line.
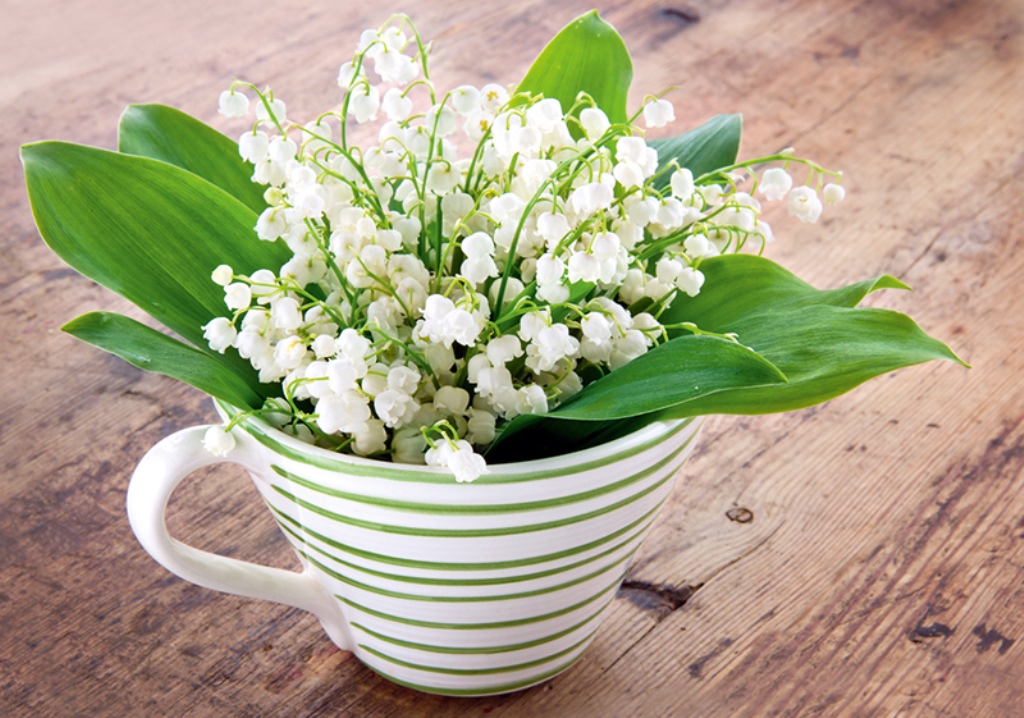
(862, 558)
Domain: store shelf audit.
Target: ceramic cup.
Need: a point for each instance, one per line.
(458, 589)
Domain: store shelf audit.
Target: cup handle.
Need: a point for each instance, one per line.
(155, 478)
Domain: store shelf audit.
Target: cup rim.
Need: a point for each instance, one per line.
(651, 434)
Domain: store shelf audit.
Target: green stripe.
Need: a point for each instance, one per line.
(482, 691)
(479, 671)
(479, 626)
(357, 468)
(508, 648)
(492, 566)
(455, 599)
(481, 509)
(426, 581)
(474, 533)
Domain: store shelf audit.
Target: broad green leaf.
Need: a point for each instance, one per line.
(164, 133)
(674, 373)
(824, 351)
(586, 56)
(147, 230)
(150, 350)
(739, 285)
(710, 147)
(821, 342)
(677, 371)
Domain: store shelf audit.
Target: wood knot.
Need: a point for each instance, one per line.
(740, 515)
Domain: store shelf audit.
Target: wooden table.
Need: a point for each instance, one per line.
(862, 558)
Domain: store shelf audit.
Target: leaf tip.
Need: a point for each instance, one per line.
(70, 327)
(956, 357)
(44, 152)
(945, 352)
(130, 115)
(887, 281)
(84, 322)
(29, 151)
(594, 23)
(593, 16)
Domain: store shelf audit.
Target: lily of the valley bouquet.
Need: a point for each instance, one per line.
(504, 273)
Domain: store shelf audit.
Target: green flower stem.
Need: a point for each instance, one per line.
(321, 242)
(265, 102)
(370, 192)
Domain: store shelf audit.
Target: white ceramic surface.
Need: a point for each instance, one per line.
(461, 589)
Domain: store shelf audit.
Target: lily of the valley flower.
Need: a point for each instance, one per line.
(481, 260)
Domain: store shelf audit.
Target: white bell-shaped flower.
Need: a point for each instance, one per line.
(689, 281)
(804, 204)
(233, 104)
(289, 352)
(370, 439)
(775, 183)
(395, 408)
(452, 400)
(394, 66)
(254, 146)
(504, 349)
(345, 412)
(363, 103)
(459, 458)
(682, 183)
(595, 122)
(834, 193)
(396, 106)
(531, 399)
(481, 427)
(218, 441)
(237, 296)
(276, 108)
(658, 113)
(466, 100)
(590, 198)
(220, 333)
(493, 97)
(408, 446)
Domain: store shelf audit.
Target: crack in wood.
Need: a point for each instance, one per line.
(663, 599)
(935, 630)
(683, 13)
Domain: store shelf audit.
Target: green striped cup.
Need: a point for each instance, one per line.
(458, 589)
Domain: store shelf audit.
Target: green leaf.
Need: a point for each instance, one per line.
(147, 230)
(679, 371)
(586, 56)
(164, 133)
(150, 350)
(819, 339)
(710, 147)
(672, 373)
(739, 285)
(824, 351)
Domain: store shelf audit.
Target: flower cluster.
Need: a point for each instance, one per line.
(488, 257)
